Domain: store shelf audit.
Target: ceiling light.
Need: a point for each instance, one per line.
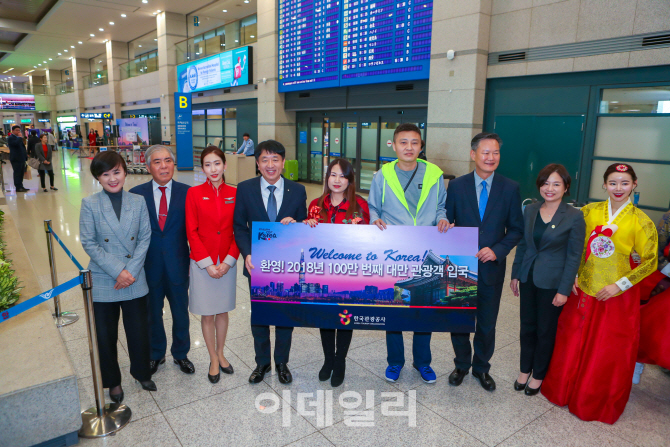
(92, 35)
(123, 15)
(158, 11)
(111, 23)
(246, 1)
(145, 1)
(8, 70)
(50, 59)
(100, 62)
(153, 13)
(100, 29)
(34, 66)
(44, 62)
(39, 64)
(71, 46)
(236, 41)
(155, 40)
(65, 51)
(252, 36)
(140, 46)
(80, 42)
(225, 10)
(60, 54)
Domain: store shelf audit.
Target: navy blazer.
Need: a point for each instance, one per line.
(168, 251)
(17, 150)
(502, 227)
(249, 208)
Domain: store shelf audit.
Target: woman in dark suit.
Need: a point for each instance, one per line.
(43, 153)
(115, 232)
(546, 263)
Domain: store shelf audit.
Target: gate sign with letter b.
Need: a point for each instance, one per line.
(184, 131)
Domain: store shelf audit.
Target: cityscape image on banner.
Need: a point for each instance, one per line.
(447, 281)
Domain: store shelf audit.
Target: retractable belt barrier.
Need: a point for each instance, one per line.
(39, 299)
(102, 419)
(60, 242)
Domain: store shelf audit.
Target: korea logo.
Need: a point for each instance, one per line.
(345, 317)
(265, 235)
(192, 77)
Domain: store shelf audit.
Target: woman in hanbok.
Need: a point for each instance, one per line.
(655, 311)
(592, 366)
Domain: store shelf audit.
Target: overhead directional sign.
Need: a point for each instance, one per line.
(96, 116)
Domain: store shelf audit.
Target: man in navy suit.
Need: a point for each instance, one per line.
(492, 203)
(269, 198)
(167, 260)
(17, 157)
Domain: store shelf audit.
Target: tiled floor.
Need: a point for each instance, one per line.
(189, 411)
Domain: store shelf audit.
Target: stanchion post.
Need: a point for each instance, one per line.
(101, 420)
(60, 318)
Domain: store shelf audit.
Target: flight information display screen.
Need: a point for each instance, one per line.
(332, 43)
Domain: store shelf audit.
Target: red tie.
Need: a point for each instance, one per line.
(162, 210)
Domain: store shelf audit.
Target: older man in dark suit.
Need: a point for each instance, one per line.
(167, 260)
(17, 157)
(269, 198)
(492, 203)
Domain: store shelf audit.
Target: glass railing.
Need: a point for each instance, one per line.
(41, 89)
(144, 64)
(24, 89)
(95, 79)
(231, 35)
(65, 87)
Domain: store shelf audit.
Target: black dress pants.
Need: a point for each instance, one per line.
(136, 325)
(42, 177)
(539, 322)
(335, 342)
(488, 305)
(19, 168)
(283, 336)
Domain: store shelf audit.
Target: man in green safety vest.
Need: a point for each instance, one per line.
(408, 191)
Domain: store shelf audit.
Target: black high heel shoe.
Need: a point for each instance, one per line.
(520, 386)
(532, 391)
(213, 379)
(148, 385)
(118, 398)
(228, 369)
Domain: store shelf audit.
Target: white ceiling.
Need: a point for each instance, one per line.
(69, 22)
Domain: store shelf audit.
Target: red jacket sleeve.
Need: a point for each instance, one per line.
(198, 250)
(364, 208)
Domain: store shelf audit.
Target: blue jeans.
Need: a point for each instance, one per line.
(395, 348)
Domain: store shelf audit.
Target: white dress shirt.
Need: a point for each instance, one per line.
(479, 187)
(279, 192)
(158, 194)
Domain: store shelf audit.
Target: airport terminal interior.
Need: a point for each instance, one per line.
(584, 83)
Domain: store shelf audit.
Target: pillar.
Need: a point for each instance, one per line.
(274, 122)
(80, 68)
(171, 29)
(117, 54)
(457, 86)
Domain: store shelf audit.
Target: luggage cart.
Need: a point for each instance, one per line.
(143, 163)
(134, 166)
(127, 154)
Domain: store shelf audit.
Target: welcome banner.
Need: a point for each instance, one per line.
(359, 277)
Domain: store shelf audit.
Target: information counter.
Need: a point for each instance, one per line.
(240, 168)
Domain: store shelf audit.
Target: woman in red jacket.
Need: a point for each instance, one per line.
(339, 204)
(213, 274)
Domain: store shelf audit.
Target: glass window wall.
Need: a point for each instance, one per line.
(214, 126)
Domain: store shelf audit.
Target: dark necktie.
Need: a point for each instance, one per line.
(272, 204)
(162, 209)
